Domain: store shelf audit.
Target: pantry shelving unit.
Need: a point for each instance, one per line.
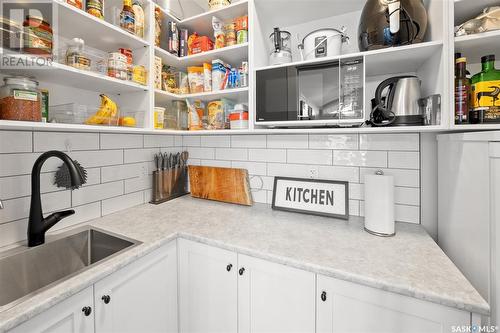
(432, 60)
(473, 47)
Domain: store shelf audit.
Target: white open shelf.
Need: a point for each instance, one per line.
(236, 94)
(81, 79)
(234, 55)
(477, 45)
(100, 34)
(202, 23)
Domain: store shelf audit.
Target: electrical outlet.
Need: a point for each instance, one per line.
(313, 172)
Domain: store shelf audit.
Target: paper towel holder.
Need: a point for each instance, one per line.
(377, 227)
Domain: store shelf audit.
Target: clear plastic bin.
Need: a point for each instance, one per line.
(73, 113)
(98, 59)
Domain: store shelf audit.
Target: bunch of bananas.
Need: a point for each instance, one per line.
(107, 113)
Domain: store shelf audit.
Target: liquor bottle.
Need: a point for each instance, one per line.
(127, 17)
(462, 91)
(486, 89)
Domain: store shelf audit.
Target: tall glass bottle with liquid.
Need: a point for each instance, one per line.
(462, 91)
(486, 90)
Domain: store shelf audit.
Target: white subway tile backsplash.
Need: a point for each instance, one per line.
(16, 164)
(123, 171)
(113, 205)
(402, 177)
(216, 141)
(44, 141)
(201, 153)
(261, 182)
(13, 232)
(139, 155)
(407, 195)
(259, 196)
(333, 141)
(248, 141)
(360, 158)
(407, 142)
(93, 159)
(194, 161)
(404, 159)
(152, 141)
(342, 173)
(254, 168)
(354, 207)
(216, 163)
(293, 141)
(82, 213)
(94, 193)
(303, 156)
(410, 214)
(356, 191)
(16, 209)
(267, 155)
(231, 154)
(118, 141)
(178, 141)
(191, 141)
(138, 184)
(15, 142)
(291, 170)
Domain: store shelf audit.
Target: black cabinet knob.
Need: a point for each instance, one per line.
(242, 270)
(106, 299)
(87, 310)
(228, 267)
(323, 296)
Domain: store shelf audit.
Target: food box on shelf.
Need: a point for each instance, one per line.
(74, 113)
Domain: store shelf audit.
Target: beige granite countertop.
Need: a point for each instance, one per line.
(410, 263)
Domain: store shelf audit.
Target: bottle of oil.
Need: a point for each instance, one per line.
(462, 91)
(486, 89)
(127, 17)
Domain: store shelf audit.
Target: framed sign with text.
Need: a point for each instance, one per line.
(312, 196)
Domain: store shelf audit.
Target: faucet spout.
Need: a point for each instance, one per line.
(37, 225)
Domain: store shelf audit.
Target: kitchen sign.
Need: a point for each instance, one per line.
(312, 196)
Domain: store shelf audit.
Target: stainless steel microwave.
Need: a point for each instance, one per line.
(316, 94)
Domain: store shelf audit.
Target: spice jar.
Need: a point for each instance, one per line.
(20, 99)
(117, 66)
(37, 36)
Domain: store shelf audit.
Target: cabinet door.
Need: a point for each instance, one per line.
(274, 298)
(346, 307)
(65, 317)
(141, 297)
(207, 289)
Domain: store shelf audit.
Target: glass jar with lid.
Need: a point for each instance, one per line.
(20, 99)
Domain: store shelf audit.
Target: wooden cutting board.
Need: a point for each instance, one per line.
(220, 184)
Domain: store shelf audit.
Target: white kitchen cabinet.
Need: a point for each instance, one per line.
(348, 308)
(274, 297)
(141, 297)
(73, 315)
(207, 289)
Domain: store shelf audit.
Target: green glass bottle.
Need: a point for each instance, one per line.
(486, 89)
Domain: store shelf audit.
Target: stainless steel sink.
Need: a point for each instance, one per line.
(25, 271)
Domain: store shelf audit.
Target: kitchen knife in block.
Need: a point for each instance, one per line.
(220, 184)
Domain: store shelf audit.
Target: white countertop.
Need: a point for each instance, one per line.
(410, 263)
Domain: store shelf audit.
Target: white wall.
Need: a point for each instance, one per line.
(118, 166)
(345, 157)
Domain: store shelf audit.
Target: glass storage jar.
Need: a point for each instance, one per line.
(20, 99)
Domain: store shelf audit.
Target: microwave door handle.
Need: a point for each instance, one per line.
(317, 66)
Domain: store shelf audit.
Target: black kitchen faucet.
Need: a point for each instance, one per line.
(37, 225)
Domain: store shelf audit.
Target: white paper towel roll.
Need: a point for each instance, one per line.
(379, 204)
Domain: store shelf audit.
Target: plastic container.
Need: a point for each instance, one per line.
(73, 113)
(238, 120)
(75, 55)
(159, 117)
(20, 99)
(181, 110)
